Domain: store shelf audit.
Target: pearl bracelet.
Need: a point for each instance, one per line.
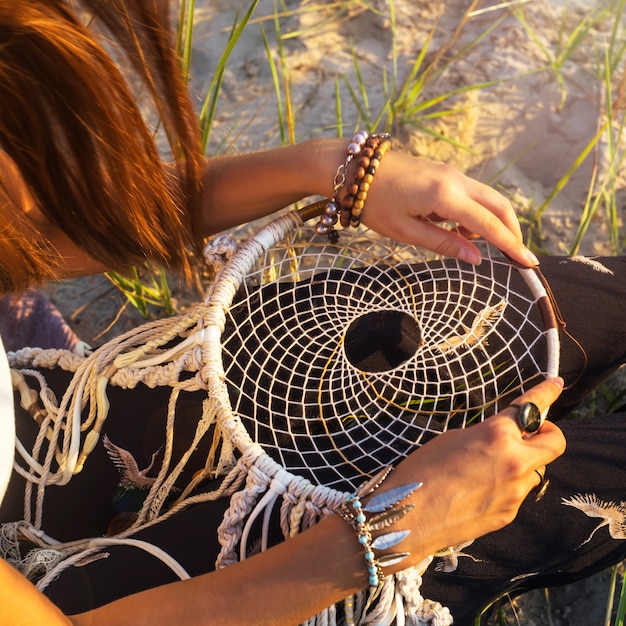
(369, 149)
(367, 166)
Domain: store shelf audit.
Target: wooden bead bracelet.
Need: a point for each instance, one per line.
(368, 149)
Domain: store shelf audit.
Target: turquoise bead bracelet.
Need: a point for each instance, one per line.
(384, 511)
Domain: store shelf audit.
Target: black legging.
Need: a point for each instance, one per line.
(547, 544)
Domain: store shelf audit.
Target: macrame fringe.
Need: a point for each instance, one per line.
(37, 562)
(301, 506)
(260, 490)
(258, 487)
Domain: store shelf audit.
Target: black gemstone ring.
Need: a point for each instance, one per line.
(528, 417)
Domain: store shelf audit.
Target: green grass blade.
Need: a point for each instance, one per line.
(571, 170)
(359, 78)
(338, 108)
(276, 83)
(180, 31)
(394, 47)
(363, 114)
(185, 36)
(439, 136)
(207, 113)
(410, 85)
(621, 607)
(289, 112)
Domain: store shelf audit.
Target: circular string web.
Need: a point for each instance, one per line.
(340, 359)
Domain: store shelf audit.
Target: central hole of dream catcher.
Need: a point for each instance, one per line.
(382, 340)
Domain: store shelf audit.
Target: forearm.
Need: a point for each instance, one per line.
(21, 604)
(285, 585)
(245, 187)
(406, 194)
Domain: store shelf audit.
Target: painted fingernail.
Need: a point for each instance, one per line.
(470, 256)
(532, 259)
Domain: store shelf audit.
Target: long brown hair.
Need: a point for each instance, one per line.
(70, 124)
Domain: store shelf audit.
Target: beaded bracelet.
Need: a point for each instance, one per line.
(367, 167)
(353, 514)
(326, 223)
(351, 198)
(369, 148)
(385, 512)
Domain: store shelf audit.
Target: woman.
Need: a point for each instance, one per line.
(84, 189)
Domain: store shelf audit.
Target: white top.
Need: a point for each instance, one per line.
(7, 422)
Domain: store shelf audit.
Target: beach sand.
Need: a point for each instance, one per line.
(521, 134)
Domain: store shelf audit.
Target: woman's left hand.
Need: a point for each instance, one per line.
(409, 196)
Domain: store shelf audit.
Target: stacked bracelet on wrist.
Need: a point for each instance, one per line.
(383, 512)
(368, 149)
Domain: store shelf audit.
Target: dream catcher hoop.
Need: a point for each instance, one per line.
(322, 363)
(340, 359)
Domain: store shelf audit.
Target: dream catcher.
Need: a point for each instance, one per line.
(323, 363)
(341, 358)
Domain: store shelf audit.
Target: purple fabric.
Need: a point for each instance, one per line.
(31, 320)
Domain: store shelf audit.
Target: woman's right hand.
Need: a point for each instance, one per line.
(475, 479)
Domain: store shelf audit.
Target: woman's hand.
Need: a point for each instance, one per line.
(407, 197)
(475, 479)
(410, 195)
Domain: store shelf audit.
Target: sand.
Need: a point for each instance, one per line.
(523, 133)
(520, 135)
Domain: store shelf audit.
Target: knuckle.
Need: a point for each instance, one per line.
(513, 469)
(491, 224)
(507, 205)
(497, 432)
(442, 186)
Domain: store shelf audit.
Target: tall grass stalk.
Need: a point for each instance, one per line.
(571, 170)
(282, 84)
(142, 293)
(611, 595)
(184, 35)
(566, 44)
(405, 101)
(207, 114)
(617, 43)
(620, 616)
(602, 185)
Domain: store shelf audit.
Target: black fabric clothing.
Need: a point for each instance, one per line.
(550, 542)
(547, 544)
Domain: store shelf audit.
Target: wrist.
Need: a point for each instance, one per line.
(322, 157)
(351, 183)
